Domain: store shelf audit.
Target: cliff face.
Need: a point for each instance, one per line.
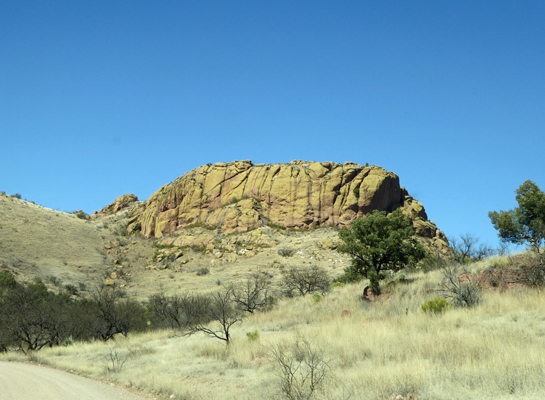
(240, 196)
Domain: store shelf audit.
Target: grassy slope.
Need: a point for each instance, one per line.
(495, 350)
(40, 242)
(37, 242)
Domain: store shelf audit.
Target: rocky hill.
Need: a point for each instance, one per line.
(241, 196)
(210, 226)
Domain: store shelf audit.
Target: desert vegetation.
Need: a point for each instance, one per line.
(379, 349)
(459, 323)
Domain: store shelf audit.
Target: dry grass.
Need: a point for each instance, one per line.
(384, 349)
(38, 242)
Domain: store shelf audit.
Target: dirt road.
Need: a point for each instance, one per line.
(30, 382)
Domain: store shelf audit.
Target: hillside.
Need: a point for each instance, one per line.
(211, 225)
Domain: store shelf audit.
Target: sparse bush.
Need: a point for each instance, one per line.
(434, 306)
(116, 358)
(114, 314)
(530, 270)
(17, 196)
(203, 271)
(460, 286)
(434, 259)
(306, 280)
(301, 368)
(82, 215)
(122, 231)
(179, 311)
(54, 280)
(285, 252)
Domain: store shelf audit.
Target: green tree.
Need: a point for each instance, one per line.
(526, 223)
(380, 242)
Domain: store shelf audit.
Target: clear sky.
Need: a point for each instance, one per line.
(103, 98)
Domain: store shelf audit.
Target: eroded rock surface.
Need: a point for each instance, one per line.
(241, 196)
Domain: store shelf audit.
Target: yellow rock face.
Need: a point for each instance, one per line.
(241, 196)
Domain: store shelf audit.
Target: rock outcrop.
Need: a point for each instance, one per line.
(119, 204)
(241, 196)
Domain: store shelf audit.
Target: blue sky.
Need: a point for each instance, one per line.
(103, 98)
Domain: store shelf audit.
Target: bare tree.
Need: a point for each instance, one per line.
(468, 249)
(306, 280)
(253, 293)
(114, 314)
(221, 311)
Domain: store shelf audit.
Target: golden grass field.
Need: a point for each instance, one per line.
(385, 349)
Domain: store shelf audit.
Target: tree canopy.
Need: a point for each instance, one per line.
(524, 224)
(380, 242)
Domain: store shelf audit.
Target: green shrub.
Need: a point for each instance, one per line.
(253, 336)
(317, 297)
(7, 280)
(336, 285)
(68, 341)
(435, 306)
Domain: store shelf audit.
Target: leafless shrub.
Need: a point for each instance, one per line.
(285, 252)
(468, 249)
(460, 286)
(302, 369)
(116, 359)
